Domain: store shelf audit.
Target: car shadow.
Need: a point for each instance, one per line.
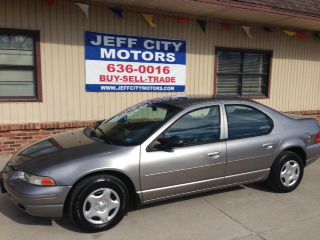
(65, 223)
(260, 186)
(8, 209)
(11, 211)
(189, 197)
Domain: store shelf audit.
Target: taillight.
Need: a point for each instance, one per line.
(318, 137)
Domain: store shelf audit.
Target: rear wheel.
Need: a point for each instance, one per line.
(286, 172)
(98, 203)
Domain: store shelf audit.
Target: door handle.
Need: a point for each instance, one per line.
(214, 154)
(267, 145)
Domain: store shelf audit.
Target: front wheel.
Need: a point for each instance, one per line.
(286, 172)
(98, 203)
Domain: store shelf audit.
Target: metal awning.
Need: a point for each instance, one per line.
(222, 11)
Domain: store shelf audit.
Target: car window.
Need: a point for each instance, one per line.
(199, 126)
(135, 124)
(245, 121)
(147, 114)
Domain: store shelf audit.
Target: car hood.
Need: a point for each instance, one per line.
(58, 149)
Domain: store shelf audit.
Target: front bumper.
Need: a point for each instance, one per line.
(35, 200)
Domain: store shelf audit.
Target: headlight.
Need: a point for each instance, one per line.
(36, 180)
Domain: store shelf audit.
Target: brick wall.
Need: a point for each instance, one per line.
(15, 136)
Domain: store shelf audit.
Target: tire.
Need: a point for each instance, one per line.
(286, 172)
(98, 203)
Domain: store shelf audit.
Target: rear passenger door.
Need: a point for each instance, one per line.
(251, 144)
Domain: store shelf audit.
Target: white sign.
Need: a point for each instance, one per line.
(116, 63)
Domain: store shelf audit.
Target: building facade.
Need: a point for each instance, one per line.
(42, 61)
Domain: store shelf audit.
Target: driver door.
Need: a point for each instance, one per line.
(198, 164)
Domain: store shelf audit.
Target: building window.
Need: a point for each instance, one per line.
(19, 65)
(243, 72)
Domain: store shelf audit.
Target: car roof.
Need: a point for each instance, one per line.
(188, 101)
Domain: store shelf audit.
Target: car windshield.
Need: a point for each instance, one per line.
(132, 126)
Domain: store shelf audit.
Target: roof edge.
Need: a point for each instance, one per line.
(261, 8)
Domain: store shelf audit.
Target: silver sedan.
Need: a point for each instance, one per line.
(157, 150)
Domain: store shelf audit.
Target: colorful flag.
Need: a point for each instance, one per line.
(202, 24)
(149, 19)
(301, 35)
(181, 20)
(226, 26)
(84, 7)
(268, 29)
(247, 30)
(289, 33)
(117, 11)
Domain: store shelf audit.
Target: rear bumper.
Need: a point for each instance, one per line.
(35, 200)
(313, 153)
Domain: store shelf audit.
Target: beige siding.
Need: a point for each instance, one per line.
(295, 83)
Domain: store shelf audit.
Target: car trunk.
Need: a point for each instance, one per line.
(299, 116)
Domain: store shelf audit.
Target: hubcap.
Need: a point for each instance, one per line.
(101, 206)
(290, 173)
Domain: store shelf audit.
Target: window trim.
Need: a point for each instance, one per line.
(215, 80)
(249, 106)
(38, 80)
(150, 149)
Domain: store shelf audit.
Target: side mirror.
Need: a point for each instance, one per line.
(97, 123)
(170, 142)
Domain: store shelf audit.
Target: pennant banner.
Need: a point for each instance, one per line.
(117, 11)
(289, 33)
(202, 24)
(149, 19)
(247, 30)
(84, 7)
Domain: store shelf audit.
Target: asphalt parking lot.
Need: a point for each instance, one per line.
(245, 213)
